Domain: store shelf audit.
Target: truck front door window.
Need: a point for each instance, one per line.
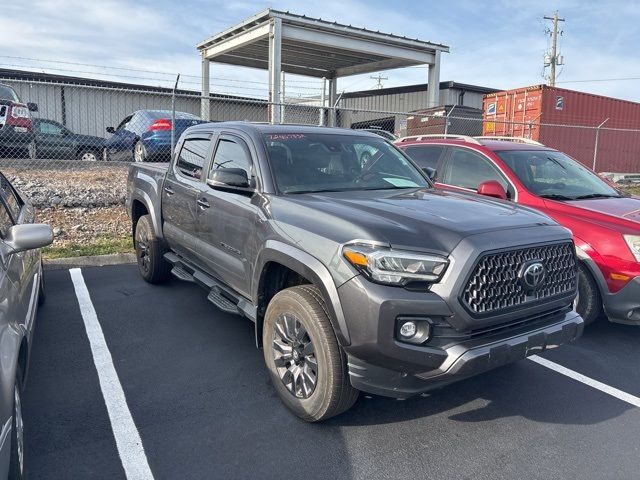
(232, 153)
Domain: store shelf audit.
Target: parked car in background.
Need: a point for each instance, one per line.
(54, 140)
(21, 290)
(358, 277)
(604, 220)
(145, 136)
(16, 127)
(381, 132)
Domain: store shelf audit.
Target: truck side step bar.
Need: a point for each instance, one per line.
(181, 274)
(223, 303)
(219, 294)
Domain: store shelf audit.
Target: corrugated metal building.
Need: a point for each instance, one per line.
(411, 98)
(88, 106)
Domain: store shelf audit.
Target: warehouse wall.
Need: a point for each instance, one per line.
(90, 109)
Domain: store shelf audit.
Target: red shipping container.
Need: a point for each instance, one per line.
(566, 120)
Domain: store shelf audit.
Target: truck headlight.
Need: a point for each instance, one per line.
(393, 267)
(634, 245)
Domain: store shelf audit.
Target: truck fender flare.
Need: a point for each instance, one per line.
(144, 198)
(310, 268)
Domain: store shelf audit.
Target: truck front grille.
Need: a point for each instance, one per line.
(497, 282)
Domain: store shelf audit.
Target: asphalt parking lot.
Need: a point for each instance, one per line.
(198, 396)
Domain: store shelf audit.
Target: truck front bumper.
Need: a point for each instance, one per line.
(465, 360)
(624, 305)
(381, 364)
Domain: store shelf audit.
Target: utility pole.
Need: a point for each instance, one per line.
(379, 78)
(552, 58)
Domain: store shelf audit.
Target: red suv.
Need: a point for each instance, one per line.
(16, 127)
(604, 220)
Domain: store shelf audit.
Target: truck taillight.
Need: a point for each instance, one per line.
(162, 124)
(20, 112)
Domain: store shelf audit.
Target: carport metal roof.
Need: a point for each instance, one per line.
(315, 47)
(286, 42)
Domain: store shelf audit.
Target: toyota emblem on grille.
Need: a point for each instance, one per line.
(532, 274)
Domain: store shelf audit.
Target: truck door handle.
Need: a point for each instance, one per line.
(203, 203)
(168, 190)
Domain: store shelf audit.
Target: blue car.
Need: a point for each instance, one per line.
(145, 136)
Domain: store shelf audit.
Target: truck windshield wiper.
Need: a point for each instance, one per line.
(327, 190)
(596, 195)
(555, 196)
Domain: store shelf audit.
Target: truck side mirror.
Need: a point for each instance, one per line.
(229, 177)
(492, 188)
(431, 173)
(33, 107)
(111, 130)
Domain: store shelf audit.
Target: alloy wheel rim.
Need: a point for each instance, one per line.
(294, 356)
(19, 429)
(142, 241)
(88, 157)
(138, 152)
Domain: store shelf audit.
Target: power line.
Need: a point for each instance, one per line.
(600, 80)
(171, 74)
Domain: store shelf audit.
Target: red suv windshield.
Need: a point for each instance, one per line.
(7, 93)
(554, 175)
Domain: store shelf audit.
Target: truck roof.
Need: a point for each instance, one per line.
(258, 127)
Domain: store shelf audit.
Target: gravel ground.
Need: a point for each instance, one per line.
(80, 204)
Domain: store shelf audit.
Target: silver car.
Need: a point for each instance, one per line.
(21, 291)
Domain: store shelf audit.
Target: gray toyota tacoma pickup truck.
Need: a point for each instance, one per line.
(358, 274)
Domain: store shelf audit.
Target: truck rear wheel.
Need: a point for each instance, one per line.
(307, 367)
(150, 252)
(588, 302)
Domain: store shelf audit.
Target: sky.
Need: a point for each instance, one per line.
(498, 44)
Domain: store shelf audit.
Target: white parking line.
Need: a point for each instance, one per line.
(614, 392)
(134, 460)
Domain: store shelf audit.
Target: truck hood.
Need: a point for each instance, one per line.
(625, 207)
(423, 218)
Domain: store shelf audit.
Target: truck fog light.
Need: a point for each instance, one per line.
(408, 329)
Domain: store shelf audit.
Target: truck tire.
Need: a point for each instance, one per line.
(588, 302)
(307, 367)
(150, 252)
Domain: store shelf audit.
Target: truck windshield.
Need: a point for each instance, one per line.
(306, 163)
(7, 93)
(554, 175)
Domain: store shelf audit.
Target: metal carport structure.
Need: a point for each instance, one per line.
(286, 42)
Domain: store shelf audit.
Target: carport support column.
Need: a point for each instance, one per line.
(205, 102)
(433, 83)
(333, 96)
(275, 70)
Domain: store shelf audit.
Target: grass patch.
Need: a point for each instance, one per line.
(100, 246)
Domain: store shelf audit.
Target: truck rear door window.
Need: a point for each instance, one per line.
(192, 157)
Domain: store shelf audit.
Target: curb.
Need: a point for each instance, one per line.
(89, 261)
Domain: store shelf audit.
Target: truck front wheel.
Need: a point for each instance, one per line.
(307, 367)
(150, 252)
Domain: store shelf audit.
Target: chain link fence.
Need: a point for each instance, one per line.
(68, 146)
(58, 125)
